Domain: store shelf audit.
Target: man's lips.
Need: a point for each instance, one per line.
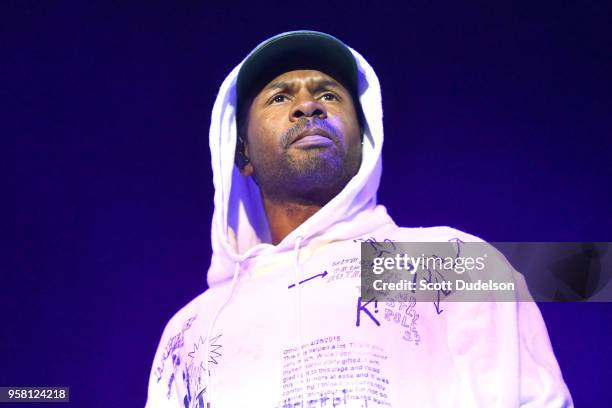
(314, 137)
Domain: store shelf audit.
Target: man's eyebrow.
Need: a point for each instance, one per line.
(325, 83)
(279, 85)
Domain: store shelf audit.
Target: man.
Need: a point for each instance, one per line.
(296, 138)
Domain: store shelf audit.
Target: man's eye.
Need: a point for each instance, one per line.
(329, 97)
(279, 98)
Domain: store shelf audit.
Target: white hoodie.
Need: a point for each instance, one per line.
(267, 305)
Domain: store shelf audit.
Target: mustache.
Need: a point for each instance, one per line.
(303, 125)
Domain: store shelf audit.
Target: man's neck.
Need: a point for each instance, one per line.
(284, 216)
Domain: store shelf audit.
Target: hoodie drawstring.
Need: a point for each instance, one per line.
(298, 312)
(208, 386)
(211, 327)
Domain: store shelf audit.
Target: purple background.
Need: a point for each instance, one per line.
(497, 117)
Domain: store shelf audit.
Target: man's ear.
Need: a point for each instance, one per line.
(242, 158)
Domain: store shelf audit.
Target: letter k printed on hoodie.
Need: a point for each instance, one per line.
(285, 325)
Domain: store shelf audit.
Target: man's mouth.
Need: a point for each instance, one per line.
(315, 137)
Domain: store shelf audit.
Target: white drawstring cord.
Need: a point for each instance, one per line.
(211, 327)
(298, 313)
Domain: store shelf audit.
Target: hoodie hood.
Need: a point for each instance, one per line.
(239, 227)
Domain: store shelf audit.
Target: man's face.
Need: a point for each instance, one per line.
(302, 137)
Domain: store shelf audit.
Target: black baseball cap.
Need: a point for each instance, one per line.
(296, 50)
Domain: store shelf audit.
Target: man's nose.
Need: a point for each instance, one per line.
(308, 107)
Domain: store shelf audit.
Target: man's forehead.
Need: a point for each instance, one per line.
(297, 78)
